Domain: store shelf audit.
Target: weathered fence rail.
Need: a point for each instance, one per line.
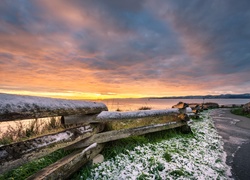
(13, 107)
(87, 138)
(63, 168)
(16, 154)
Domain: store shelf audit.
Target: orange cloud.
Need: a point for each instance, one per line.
(91, 49)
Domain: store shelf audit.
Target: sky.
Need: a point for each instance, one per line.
(97, 49)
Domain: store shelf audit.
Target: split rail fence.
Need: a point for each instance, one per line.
(95, 126)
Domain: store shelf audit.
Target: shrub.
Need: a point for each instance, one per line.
(145, 108)
(22, 131)
(240, 112)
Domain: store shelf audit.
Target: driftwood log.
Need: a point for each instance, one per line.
(79, 119)
(89, 135)
(65, 167)
(14, 107)
(16, 154)
(107, 116)
(124, 133)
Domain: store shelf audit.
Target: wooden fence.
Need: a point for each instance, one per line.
(95, 126)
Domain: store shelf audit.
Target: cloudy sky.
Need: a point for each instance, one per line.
(117, 48)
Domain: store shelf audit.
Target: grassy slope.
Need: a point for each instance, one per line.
(239, 111)
(30, 168)
(164, 155)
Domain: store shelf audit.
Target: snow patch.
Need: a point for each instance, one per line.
(47, 140)
(88, 148)
(16, 103)
(198, 157)
(135, 114)
(189, 110)
(83, 129)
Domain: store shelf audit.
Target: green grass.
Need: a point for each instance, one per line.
(177, 173)
(167, 156)
(114, 148)
(32, 167)
(142, 177)
(177, 156)
(239, 111)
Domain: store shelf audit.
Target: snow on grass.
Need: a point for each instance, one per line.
(135, 114)
(200, 156)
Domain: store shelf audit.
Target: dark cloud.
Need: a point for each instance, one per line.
(21, 14)
(5, 58)
(222, 27)
(201, 44)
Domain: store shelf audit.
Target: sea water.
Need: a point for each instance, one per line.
(135, 104)
(131, 105)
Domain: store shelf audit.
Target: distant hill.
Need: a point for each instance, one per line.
(222, 96)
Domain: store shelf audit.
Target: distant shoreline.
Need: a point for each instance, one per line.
(190, 98)
(222, 96)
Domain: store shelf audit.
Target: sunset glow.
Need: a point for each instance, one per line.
(93, 49)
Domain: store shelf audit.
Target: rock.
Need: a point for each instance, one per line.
(246, 108)
(180, 105)
(210, 105)
(98, 159)
(193, 105)
(231, 106)
(196, 107)
(195, 111)
(188, 110)
(183, 117)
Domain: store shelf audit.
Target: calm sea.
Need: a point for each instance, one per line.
(130, 105)
(135, 104)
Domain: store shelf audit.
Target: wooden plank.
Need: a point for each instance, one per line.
(16, 154)
(106, 116)
(79, 119)
(124, 133)
(15, 107)
(65, 167)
